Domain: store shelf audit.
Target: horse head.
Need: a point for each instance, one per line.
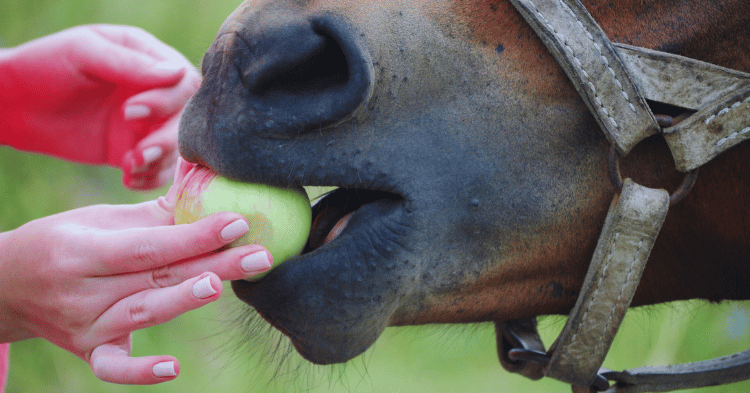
(471, 178)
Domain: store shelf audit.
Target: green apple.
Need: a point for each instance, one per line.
(279, 218)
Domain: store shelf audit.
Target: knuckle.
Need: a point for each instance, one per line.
(140, 314)
(147, 254)
(206, 238)
(163, 277)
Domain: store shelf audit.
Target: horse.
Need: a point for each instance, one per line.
(471, 175)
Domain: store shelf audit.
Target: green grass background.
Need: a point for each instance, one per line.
(216, 355)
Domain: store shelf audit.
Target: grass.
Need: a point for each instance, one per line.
(215, 353)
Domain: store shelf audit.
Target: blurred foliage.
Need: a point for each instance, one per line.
(216, 353)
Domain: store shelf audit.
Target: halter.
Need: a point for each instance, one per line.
(615, 81)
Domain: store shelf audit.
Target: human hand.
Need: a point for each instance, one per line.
(85, 279)
(98, 94)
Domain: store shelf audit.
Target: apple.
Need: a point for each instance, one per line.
(279, 218)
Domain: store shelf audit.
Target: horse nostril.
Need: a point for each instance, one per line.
(307, 73)
(324, 67)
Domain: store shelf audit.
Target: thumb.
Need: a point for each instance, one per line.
(168, 201)
(111, 362)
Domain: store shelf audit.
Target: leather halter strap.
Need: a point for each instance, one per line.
(720, 96)
(614, 81)
(592, 64)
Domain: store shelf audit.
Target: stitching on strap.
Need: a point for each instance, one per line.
(619, 297)
(596, 292)
(733, 136)
(726, 110)
(579, 64)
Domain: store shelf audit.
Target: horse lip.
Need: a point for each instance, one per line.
(330, 284)
(334, 210)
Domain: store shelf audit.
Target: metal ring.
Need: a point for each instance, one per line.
(613, 168)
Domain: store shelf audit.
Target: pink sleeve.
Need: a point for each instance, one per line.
(4, 350)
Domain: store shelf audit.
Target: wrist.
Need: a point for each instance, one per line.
(10, 328)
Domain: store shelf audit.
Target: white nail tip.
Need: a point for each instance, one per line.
(234, 230)
(164, 369)
(255, 262)
(203, 289)
(137, 111)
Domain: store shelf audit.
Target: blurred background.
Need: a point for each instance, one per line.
(216, 352)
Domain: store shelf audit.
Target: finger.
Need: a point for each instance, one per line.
(151, 179)
(150, 167)
(163, 102)
(112, 363)
(232, 264)
(168, 201)
(143, 159)
(155, 306)
(139, 249)
(157, 152)
(137, 39)
(126, 66)
(183, 168)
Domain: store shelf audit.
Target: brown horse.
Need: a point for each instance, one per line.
(476, 175)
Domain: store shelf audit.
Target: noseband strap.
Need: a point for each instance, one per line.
(614, 81)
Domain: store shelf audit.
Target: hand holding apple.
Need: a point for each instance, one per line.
(279, 218)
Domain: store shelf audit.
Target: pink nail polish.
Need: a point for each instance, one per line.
(256, 262)
(164, 369)
(203, 289)
(234, 230)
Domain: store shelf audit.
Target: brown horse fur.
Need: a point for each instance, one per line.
(501, 168)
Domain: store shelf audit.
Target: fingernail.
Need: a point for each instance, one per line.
(164, 369)
(169, 65)
(203, 289)
(234, 230)
(152, 154)
(256, 262)
(137, 111)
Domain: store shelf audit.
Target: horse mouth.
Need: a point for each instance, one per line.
(315, 298)
(332, 212)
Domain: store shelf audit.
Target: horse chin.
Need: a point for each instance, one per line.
(351, 263)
